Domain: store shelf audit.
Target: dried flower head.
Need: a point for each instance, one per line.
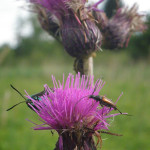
(79, 33)
(68, 110)
(118, 29)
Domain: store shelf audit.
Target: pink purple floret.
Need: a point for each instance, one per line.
(68, 105)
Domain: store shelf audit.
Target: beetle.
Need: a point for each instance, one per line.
(103, 100)
(28, 101)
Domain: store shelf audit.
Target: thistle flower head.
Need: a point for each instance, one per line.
(118, 29)
(80, 36)
(80, 40)
(131, 15)
(68, 110)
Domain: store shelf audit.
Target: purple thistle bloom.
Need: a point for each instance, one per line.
(68, 110)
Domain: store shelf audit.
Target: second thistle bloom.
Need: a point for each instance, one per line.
(118, 29)
(68, 110)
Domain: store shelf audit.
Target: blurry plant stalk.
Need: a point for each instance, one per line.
(84, 65)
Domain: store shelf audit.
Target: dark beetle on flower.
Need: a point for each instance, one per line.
(103, 101)
(28, 101)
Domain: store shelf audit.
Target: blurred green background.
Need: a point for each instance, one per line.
(30, 64)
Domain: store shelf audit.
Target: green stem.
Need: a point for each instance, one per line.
(88, 66)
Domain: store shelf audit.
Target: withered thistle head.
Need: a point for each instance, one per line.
(118, 29)
(75, 23)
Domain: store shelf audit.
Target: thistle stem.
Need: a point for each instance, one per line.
(88, 66)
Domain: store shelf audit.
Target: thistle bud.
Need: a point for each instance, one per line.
(80, 40)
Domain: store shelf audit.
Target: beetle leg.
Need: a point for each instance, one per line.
(99, 139)
(109, 108)
(101, 104)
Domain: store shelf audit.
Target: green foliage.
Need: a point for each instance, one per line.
(140, 46)
(120, 75)
(30, 65)
(111, 6)
(37, 42)
(34, 48)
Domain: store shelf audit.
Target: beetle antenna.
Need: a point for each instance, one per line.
(15, 105)
(119, 110)
(80, 99)
(95, 86)
(122, 113)
(20, 95)
(17, 91)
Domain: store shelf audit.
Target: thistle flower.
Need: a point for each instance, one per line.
(68, 110)
(80, 36)
(118, 29)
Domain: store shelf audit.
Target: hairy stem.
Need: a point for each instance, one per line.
(88, 66)
(84, 66)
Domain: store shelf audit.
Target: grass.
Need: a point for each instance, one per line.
(116, 69)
